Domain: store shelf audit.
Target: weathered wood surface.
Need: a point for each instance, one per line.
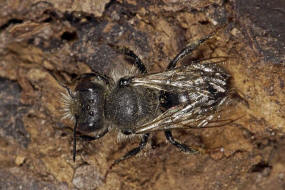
(73, 37)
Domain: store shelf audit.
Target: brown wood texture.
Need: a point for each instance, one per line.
(69, 38)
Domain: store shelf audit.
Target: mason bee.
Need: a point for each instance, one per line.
(188, 96)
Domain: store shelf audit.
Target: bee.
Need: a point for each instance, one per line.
(188, 96)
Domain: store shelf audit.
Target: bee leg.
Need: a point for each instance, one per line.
(92, 138)
(134, 151)
(186, 51)
(126, 51)
(182, 147)
(105, 78)
(83, 137)
(131, 153)
(138, 62)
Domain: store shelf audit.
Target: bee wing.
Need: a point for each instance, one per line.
(195, 77)
(185, 116)
(206, 86)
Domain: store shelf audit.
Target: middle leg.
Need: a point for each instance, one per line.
(186, 51)
(137, 61)
(134, 151)
(129, 154)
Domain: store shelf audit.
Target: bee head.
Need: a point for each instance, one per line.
(86, 105)
(89, 105)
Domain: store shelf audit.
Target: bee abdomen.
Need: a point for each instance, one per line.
(171, 99)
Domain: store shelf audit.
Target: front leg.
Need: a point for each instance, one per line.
(92, 138)
(84, 137)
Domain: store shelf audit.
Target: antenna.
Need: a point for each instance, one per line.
(74, 138)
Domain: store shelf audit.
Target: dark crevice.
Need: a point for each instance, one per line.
(77, 21)
(204, 22)
(47, 20)
(69, 36)
(73, 76)
(108, 5)
(51, 13)
(70, 17)
(11, 22)
(260, 167)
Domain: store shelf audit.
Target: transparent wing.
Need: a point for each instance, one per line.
(206, 88)
(185, 117)
(195, 77)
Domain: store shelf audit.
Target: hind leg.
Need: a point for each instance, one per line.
(180, 146)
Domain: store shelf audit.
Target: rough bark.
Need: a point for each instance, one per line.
(68, 38)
